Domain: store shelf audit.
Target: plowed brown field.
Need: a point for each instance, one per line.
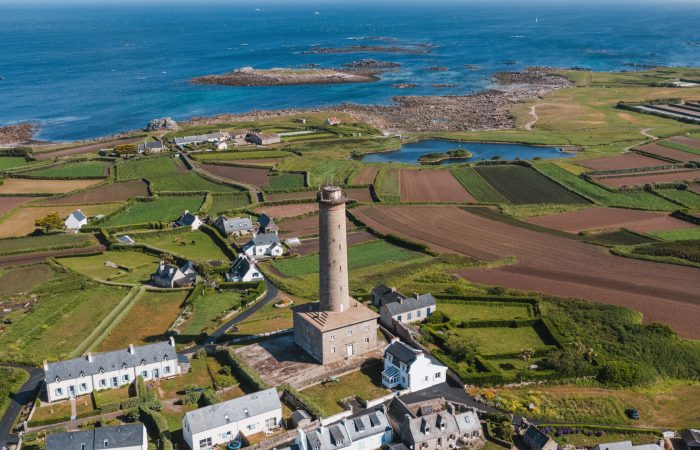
(281, 211)
(248, 175)
(27, 186)
(599, 219)
(108, 193)
(290, 196)
(302, 227)
(650, 178)
(359, 194)
(309, 246)
(666, 152)
(432, 186)
(553, 265)
(624, 161)
(685, 140)
(366, 175)
(7, 203)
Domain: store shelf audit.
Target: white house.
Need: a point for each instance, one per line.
(221, 146)
(370, 430)
(200, 138)
(111, 370)
(151, 148)
(243, 270)
(265, 244)
(170, 276)
(188, 219)
(75, 220)
(409, 368)
(333, 121)
(121, 437)
(224, 422)
(407, 310)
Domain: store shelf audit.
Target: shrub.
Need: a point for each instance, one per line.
(208, 397)
(156, 423)
(623, 374)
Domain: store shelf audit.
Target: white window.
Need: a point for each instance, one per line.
(271, 423)
(332, 337)
(251, 426)
(83, 387)
(226, 436)
(332, 349)
(410, 316)
(144, 374)
(59, 392)
(103, 382)
(125, 378)
(418, 313)
(438, 375)
(166, 369)
(205, 443)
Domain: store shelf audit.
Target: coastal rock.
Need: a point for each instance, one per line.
(404, 85)
(541, 77)
(165, 123)
(371, 63)
(248, 76)
(437, 69)
(20, 133)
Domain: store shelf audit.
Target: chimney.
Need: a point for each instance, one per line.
(89, 356)
(131, 349)
(46, 365)
(172, 342)
(226, 418)
(450, 408)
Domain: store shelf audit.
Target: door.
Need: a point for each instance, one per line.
(71, 391)
(349, 350)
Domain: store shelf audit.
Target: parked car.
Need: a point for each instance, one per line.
(632, 413)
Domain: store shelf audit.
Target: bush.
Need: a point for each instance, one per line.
(156, 423)
(623, 374)
(133, 415)
(208, 397)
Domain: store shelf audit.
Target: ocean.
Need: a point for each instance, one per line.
(84, 71)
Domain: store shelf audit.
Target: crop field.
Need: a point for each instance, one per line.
(195, 245)
(321, 169)
(678, 235)
(690, 142)
(359, 194)
(675, 144)
(240, 154)
(161, 209)
(43, 243)
(147, 167)
(24, 279)
(301, 227)
(301, 195)
(474, 311)
(247, 175)
(27, 186)
(627, 160)
(545, 263)
(666, 152)
(679, 249)
(8, 203)
(47, 331)
(686, 197)
(366, 175)
(636, 199)
(135, 267)
(290, 210)
(190, 182)
(229, 202)
(148, 320)
(598, 219)
(432, 186)
(650, 178)
(309, 246)
(20, 222)
(522, 185)
(120, 191)
(388, 184)
(284, 181)
(73, 170)
(208, 308)
(477, 186)
(499, 340)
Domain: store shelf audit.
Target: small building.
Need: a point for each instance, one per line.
(171, 276)
(536, 439)
(409, 368)
(301, 418)
(333, 121)
(691, 437)
(233, 226)
(263, 138)
(121, 437)
(266, 224)
(627, 445)
(407, 310)
(383, 294)
(219, 136)
(75, 220)
(243, 270)
(187, 219)
(111, 370)
(442, 430)
(221, 146)
(300, 120)
(126, 240)
(369, 430)
(151, 148)
(266, 244)
(224, 422)
(292, 242)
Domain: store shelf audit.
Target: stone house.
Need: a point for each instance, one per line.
(407, 310)
(121, 437)
(171, 276)
(536, 439)
(383, 294)
(266, 224)
(409, 368)
(263, 138)
(440, 430)
(151, 148)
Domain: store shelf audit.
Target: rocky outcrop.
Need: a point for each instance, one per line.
(165, 123)
(20, 133)
(248, 76)
(371, 63)
(542, 77)
(410, 50)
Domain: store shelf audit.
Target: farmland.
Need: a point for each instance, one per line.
(300, 195)
(247, 175)
(500, 340)
(685, 197)
(675, 144)
(649, 178)
(24, 279)
(14, 162)
(20, 221)
(366, 175)
(147, 321)
(229, 202)
(190, 182)
(388, 184)
(27, 186)
(162, 208)
(311, 245)
(150, 168)
(676, 235)
(474, 311)
(134, 267)
(624, 161)
(107, 193)
(547, 263)
(8, 203)
(432, 186)
(285, 181)
(290, 210)
(42, 243)
(195, 245)
(665, 152)
(270, 155)
(359, 194)
(477, 186)
(84, 169)
(523, 185)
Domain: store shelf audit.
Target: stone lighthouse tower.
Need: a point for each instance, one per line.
(333, 254)
(337, 327)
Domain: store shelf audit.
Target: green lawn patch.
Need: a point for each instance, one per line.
(467, 311)
(684, 196)
(163, 208)
(107, 396)
(45, 243)
(681, 147)
(266, 319)
(635, 199)
(477, 186)
(11, 379)
(134, 267)
(195, 245)
(387, 184)
(229, 202)
(500, 340)
(321, 168)
(82, 169)
(285, 181)
(209, 309)
(147, 167)
(523, 185)
(14, 162)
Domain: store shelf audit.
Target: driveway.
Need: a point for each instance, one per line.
(25, 395)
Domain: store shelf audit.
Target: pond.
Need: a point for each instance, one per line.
(409, 153)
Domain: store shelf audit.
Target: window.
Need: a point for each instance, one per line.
(83, 387)
(226, 436)
(106, 443)
(205, 443)
(103, 383)
(125, 378)
(366, 340)
(271, 423)
(59, 392)
(82, 446)
(332, 349)
(332, 337)
(350, 332)
(144, 374)
(410, 316)
(438, 375)
(419, 313)
(398, 317)
(251, 426)
(427, 312)
(166, 369)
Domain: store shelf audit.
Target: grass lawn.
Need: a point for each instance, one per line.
(208, 309)
(147, 167)
(111, 395)
(387, 184)
(285, 181)
(321, 168)
(141, 266)
(161, 209)
(148, 321)
(229, 202)
(45, 243)
(11, 379)
(365, 383)
(13, 162)
(686, 197)
(477, 186)
(24, 279)
(189, 181)
(471, 311)
(190, 244)
(73, 170)
(678, 235)
(498, 340)
(268, 318)
(200, 373)
(53, 411)
(50, 330)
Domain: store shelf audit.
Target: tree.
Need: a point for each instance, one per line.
(462, 347)
(49, 222)
(525, 355)
(125, 149)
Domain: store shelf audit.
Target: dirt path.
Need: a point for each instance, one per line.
(533, 112)
(645, 132)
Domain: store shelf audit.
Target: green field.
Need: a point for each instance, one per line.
(135, 267)
(321, 169)
(681, 249)
(285, 181)
(229, 202)
(50, 330)
(147, 167)
(240, 154)
(387, 184)
(681, 147)
(636, 199)
(11, 379)
(164, 208)
(14, 162)
(73, 170)
(523, 185)
(684, 196)
(266, 319)
(195, 245)
(477, 186)
(677, 235)
(19, 280)
(45, 243)
(473, 311)
(189, 182)
(499, 340)
(359, 257)
(208, 309)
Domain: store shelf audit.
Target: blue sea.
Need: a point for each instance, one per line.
(87, 70)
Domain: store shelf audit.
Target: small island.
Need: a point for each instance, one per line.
(248, 76)
(438, 157)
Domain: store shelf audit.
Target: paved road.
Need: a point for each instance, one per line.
(26, 393)
(238, 318)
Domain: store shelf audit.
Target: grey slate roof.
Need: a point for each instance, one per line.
(387, 294)
(468, 421)
(265, 239)
(231, 225)
(401, 352)
(331, 437)
(369, 424)
(186, 219)
(240, 266)
(154, 145)
(534, 438)
(410, 304)
(430, 427)
(237, 409)
(121, 436)
(692, 437)
(626, 445)
(72, 368)
(267, 223)
(78, 214)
